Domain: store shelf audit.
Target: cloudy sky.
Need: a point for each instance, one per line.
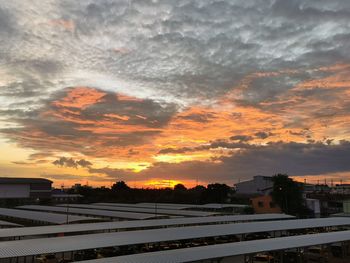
(160, 92)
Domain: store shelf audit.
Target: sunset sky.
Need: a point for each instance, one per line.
(160, 92)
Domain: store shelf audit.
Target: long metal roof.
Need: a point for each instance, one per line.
(81, 242)
(10, 224)
(75, 228)
(51, 218)
(175, 206)
(219, 206)
(229, 249)
(154, 211)
(170, 204)
(147, 205)
(92, 212)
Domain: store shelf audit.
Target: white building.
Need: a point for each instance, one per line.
(314, 205)
(258, 185)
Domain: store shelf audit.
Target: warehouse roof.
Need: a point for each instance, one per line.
(45, 230)
(229, 249)
(42, 216)
(22, 180)
(92, 212)
(81, 242)
(154, 210)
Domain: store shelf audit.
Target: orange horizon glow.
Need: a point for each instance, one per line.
(191, 129)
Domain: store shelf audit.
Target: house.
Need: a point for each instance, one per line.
(264, 204)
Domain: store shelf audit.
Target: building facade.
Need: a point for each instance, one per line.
(259, 185)
(22, 188)
(264, 205)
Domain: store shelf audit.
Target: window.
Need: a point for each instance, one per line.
(260, 204)
(272, 205)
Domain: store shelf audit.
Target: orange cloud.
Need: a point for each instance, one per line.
(79, 97)
(114, 126)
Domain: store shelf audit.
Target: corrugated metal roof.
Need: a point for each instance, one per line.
(153, 211)
(42, 230)
(219, 206)
(152, 206)
(52, 218)
(93, 212)
(228, 250)
(168, 204)
(174, 206)
(5, 223)
(81, 242)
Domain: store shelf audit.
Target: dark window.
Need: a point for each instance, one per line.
(260, 204)
(272, 205)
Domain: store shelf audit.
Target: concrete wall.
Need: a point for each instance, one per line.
(14, 190)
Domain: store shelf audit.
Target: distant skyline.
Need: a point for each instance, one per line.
(163, 92)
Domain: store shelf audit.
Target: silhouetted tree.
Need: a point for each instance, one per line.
(217, 193)
(287, 193)
(180, 187)
(121, 185)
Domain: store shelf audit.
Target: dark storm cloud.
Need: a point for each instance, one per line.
(176, 49)
(212, 145)
(199, 117)
(291, 158)
(241, 138)
(67, 162)
(168, 55)
(70, 162)
(263, 135)
(107, 121)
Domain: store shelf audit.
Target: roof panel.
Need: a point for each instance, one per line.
(52, 218)
(93, 212)
(80, 242)
(5, 223)
(229, 249)
(136, 224)
(147, 205)
(219, 206)
(154, 210)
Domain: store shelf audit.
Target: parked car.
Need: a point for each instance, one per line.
(48, 258)
(316, 254)
(256, 236)
(262, 258)
(109, 252)
(85, 255)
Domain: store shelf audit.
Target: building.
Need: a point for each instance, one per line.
(260, 185)
(60, 196)
(20, 188)
(264, 204)
(342, 189)
(314, 205)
